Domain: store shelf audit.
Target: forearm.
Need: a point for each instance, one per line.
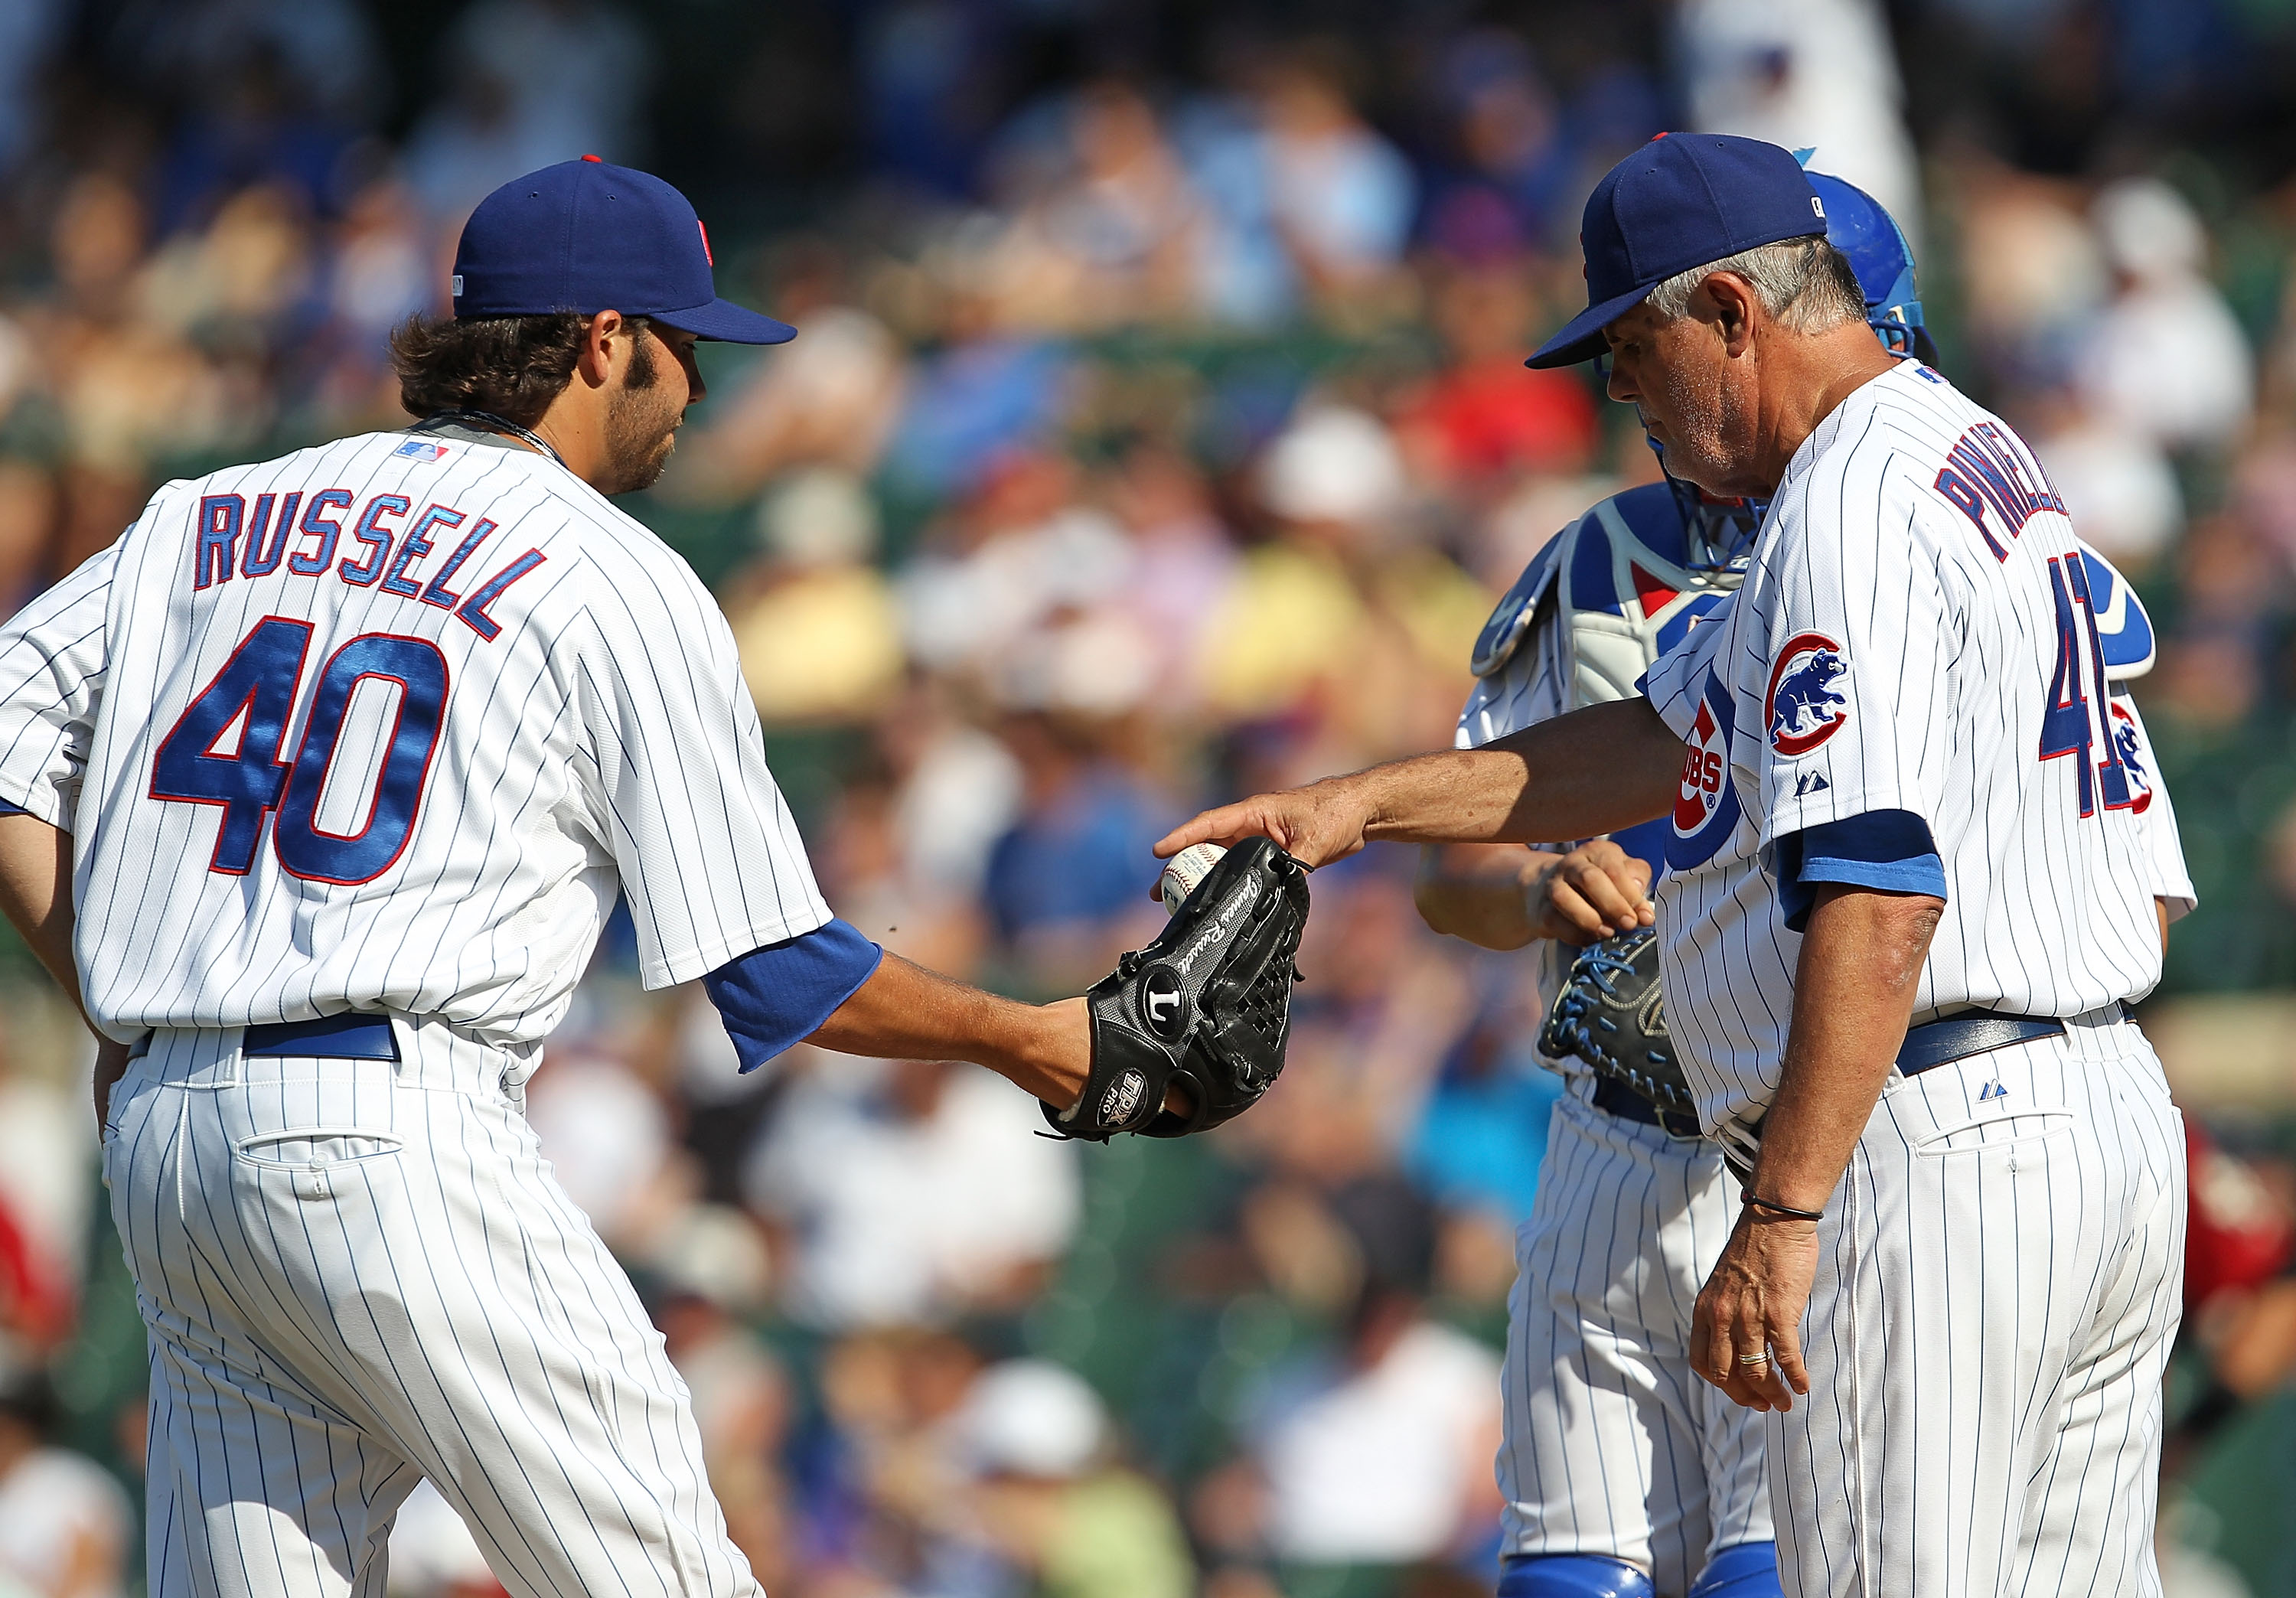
(1581, 776)
(1861, 962)
(904, 1011)
(36, 868)
(36, 893)
(1480, 894)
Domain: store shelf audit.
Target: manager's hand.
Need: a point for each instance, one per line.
(1315, 825)
(1745, 1333)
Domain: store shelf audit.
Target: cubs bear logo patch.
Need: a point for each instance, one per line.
(1802, 709)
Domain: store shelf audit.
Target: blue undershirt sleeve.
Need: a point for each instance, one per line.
(1890, 850)
(772, 997)
(8, 809)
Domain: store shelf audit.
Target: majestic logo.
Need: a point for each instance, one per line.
(1801, 709)
(2125, 741)
(1162, 1004)
(1122, 1098)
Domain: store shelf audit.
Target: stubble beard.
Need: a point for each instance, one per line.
(1705, 415)
(641, 424)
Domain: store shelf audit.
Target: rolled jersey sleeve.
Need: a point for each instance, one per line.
(674, 769)
(774, 997)
(1889, 851)
(1846, 633)
(53, 658)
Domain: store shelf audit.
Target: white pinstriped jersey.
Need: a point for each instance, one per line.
(1915, 633)
(388, 724)
(1605, 598)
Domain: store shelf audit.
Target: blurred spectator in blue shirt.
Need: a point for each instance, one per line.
(1308, 204)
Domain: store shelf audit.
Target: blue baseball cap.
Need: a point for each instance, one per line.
(1680, 202)
(586, 236)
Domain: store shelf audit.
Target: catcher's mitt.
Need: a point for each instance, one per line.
(1610, 1015)
(1208, 1003)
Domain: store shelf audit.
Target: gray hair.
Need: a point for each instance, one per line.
(1806, 284)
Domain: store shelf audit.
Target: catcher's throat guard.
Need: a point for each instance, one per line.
(1207, 1005)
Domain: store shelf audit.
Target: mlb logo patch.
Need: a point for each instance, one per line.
(422, 449)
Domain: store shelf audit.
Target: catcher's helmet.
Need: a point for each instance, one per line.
(1857, 225)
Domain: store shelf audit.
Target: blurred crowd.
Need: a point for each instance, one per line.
(1153, 434)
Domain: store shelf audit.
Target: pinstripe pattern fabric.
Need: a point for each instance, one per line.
(356, 1275)
(351, 1283)
(1998, 1285)
(1612, 1445)
(1999, 1269)
(600, 743)
(1949, 656)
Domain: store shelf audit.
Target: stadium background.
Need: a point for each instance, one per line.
(1158, 431)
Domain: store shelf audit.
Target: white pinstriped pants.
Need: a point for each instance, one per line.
(1999, 1279)
(357, 1273)
(1613, 1445)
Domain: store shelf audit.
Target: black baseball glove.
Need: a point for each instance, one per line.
(1207, 1005)
(1610, 1015)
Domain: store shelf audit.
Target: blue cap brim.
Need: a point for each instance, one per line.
(727, 324)
(1582, 338)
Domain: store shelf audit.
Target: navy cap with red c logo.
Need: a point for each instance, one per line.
(587, 236)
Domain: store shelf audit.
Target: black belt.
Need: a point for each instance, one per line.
(1615, 1097)
(356, 1035)
(1926, 1048)
(1974, 1032)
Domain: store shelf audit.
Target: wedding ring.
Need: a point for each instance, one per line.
(1754, 1359)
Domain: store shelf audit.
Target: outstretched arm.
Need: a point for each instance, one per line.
(905, 1012)
(1594, 771)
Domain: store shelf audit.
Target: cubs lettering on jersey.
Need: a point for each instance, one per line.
(1618, 578)
(1912, 539)
(298, 650)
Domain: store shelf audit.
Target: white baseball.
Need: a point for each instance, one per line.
(1187, 868)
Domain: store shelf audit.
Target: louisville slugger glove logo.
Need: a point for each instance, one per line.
(1162, 1004)
(1802, 710)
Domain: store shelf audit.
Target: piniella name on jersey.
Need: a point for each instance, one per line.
(234, 540)
(1987, 469)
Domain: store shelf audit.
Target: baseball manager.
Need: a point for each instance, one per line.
(1905, 897)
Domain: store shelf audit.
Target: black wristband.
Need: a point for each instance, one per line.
(1746, 1197)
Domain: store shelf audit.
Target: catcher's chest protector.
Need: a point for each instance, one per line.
(1624, 595)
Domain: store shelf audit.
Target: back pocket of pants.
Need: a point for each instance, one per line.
(315, 1148)
(1995, 1131)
